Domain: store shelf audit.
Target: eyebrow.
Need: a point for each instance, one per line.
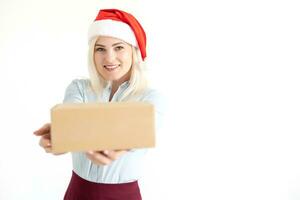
(115, 44)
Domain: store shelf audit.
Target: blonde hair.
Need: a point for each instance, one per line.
(137, 82)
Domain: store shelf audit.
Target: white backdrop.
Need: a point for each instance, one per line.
(230, 72)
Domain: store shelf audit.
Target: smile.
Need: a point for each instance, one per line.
(111, 67)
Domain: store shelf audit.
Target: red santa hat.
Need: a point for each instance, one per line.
(119, 24)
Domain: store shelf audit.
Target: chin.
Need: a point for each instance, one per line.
(112, 78)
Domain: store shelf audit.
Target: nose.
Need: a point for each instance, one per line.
(110, 56)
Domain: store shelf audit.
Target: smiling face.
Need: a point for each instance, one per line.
(113, 59)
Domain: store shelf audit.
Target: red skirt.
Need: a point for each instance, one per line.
(81, 189)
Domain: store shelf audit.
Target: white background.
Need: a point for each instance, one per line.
(230, 72)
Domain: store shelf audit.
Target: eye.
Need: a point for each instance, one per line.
(119, 48)
(100, 49)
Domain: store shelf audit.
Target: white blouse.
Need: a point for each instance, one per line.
(126, 168)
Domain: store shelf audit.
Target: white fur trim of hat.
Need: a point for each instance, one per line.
(112, 28)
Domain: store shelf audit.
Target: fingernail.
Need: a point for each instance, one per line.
(106, 152)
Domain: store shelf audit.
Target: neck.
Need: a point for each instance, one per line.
(116, 84)
(114, 87)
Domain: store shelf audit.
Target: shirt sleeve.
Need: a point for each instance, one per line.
(158, 100)
(73, 93)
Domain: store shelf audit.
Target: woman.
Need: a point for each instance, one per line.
(117, 50)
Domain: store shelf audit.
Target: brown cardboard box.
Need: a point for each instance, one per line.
(99, 126)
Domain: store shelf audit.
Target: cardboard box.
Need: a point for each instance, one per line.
(100, 126)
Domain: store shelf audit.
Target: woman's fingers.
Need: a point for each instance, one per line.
(46, 145)
(48, 149)
(98, 158)
(115, 154)
(104, 157)
(45, 141)
(46, 128)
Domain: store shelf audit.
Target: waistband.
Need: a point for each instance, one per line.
(82, 188)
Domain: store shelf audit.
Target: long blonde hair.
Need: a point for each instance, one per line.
(137, 82)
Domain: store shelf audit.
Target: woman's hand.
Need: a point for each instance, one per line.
(104, 157)
(45, 140)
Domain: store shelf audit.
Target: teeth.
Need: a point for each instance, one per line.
(110, 66)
